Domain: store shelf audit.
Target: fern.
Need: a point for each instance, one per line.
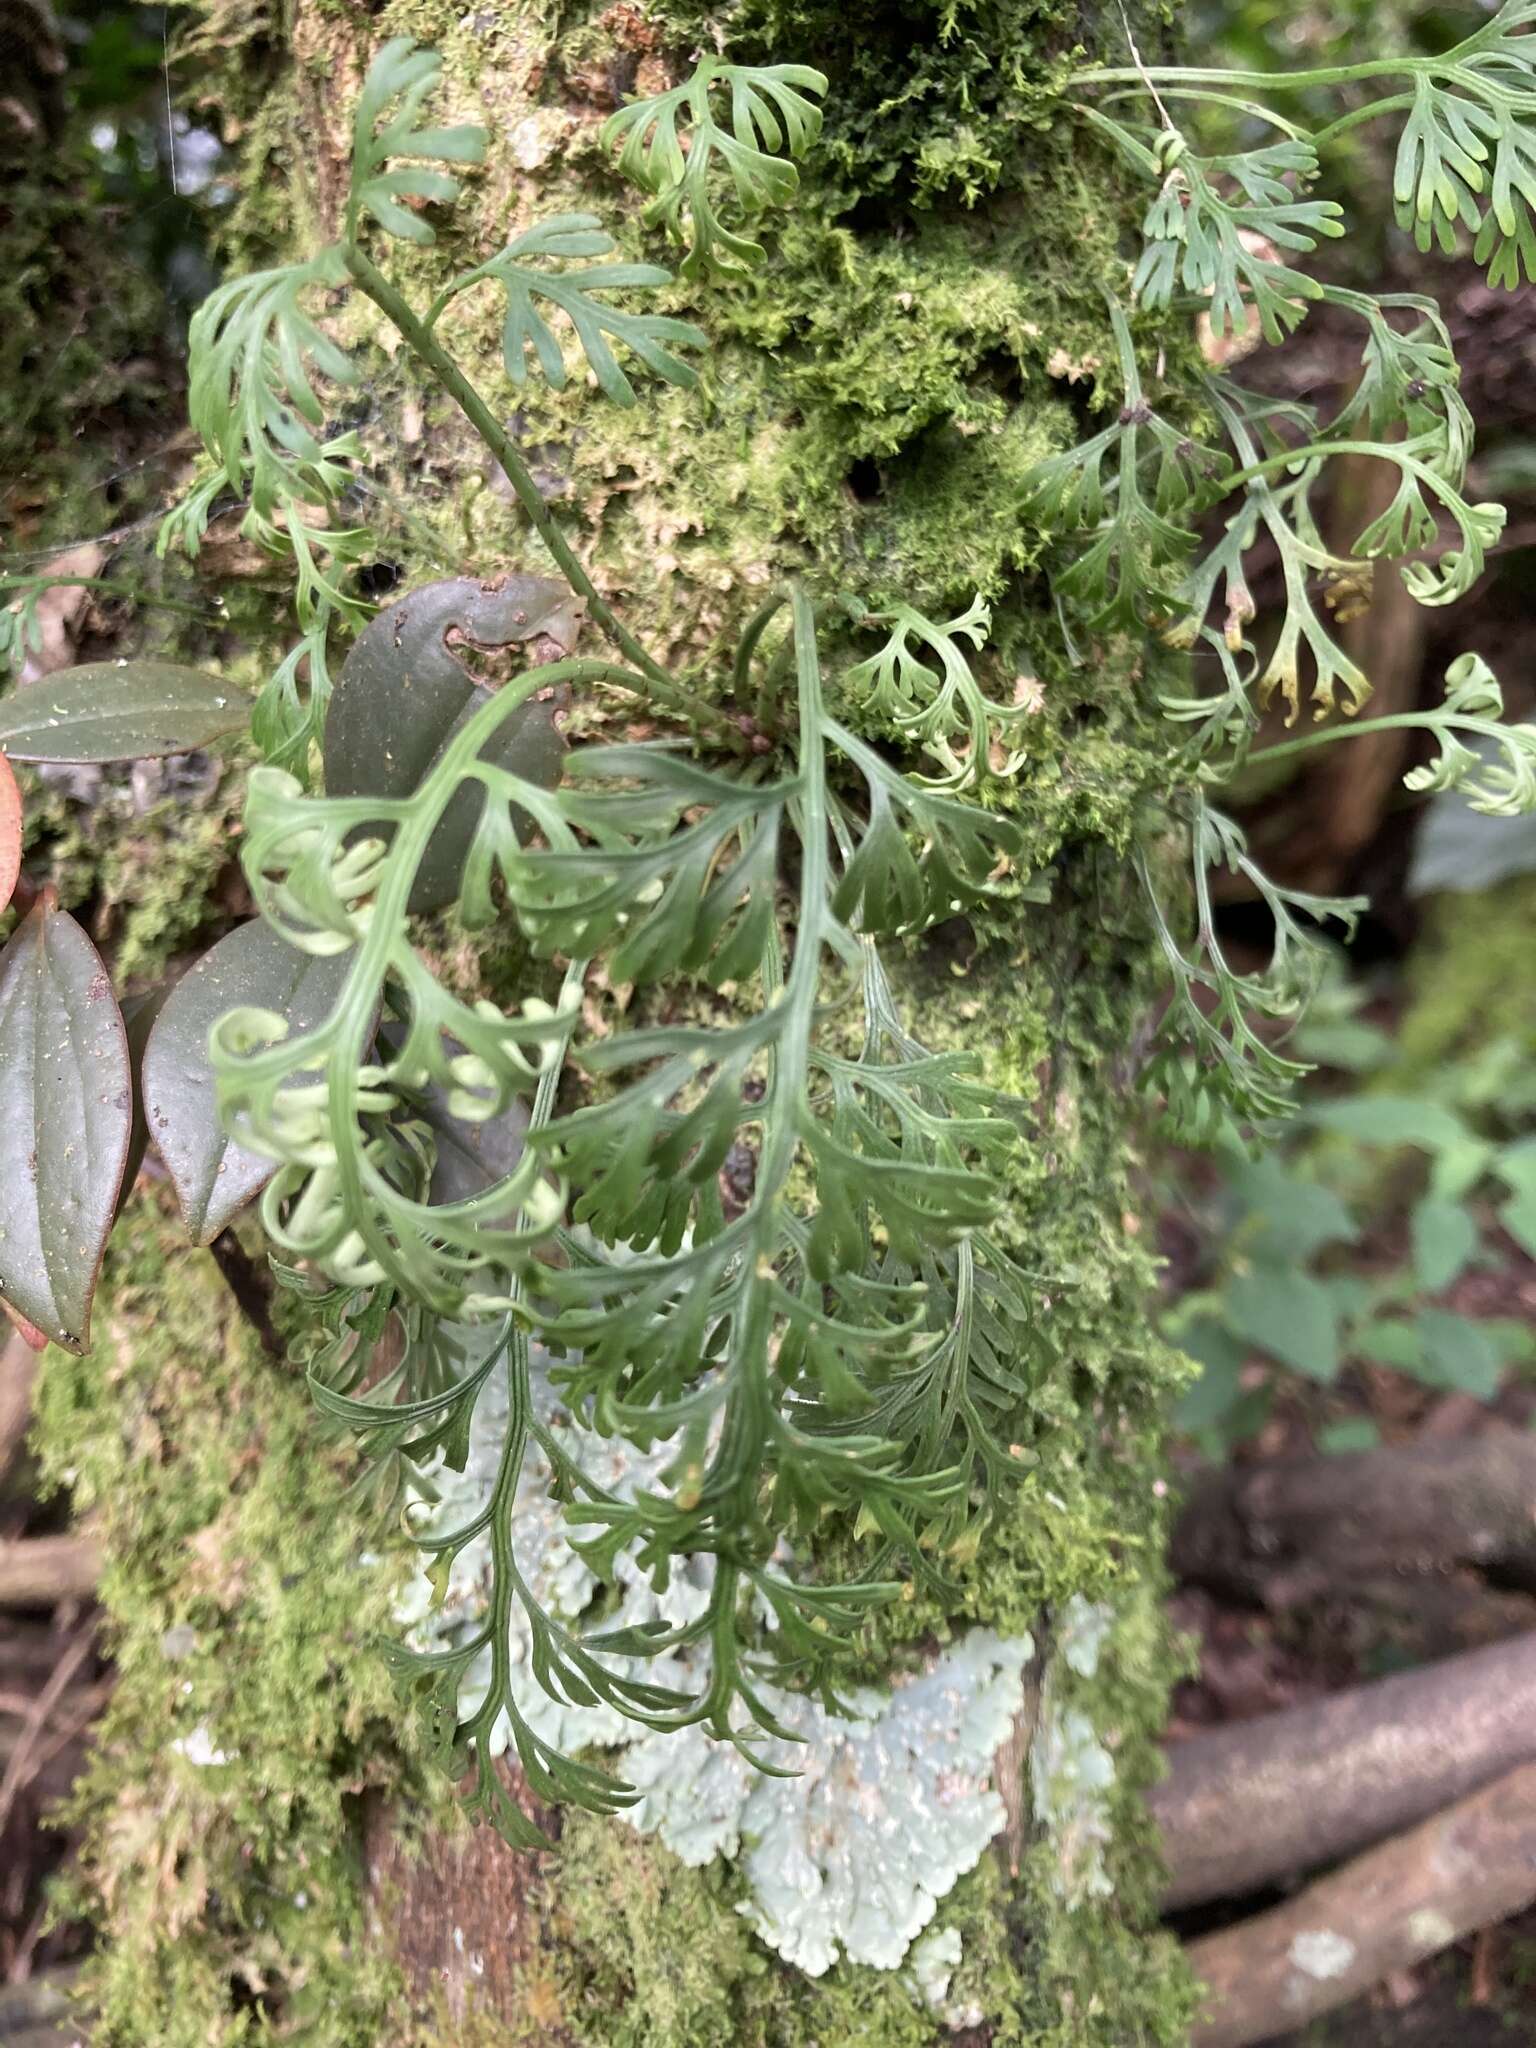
(858, 1280)
(942, 710)
(769, 113)
(399, 81)
(650, 336)
(1213, 1062)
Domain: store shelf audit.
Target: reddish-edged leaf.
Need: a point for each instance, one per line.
(10, 832)
(30, 1335)
(403, 693)
(119, 711)
(66, 1105)
(214, 1177)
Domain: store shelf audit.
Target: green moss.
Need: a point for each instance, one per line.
(242, 1610)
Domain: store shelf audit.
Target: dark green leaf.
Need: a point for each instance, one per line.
(1219, 1386)
(1288, 1218)
(214, 1177)
(65, 1111)
(1288, 1314)
(1516, 1167)
(403, 694)
(111, 711)
(1444, 1238)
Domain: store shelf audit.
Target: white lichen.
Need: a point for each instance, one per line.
(887, 1806)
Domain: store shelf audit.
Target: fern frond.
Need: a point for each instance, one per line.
(651, 337)
(941, 709)
(401, 77)
(1224, 249)
(1498, 777)
(1214, 1062)
(770, 113)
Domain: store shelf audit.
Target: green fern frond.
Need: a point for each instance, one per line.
(651, 337)
(1499, 779)
(1217, 1057)
(857, 1280)
(941, 709)
(403, 76)
(769, 114)
(1198, 239)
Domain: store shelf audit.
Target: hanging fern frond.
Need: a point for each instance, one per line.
(769, 114)
(1215, 1062)
(1225, 250)
(858, 1277)
(651, 337)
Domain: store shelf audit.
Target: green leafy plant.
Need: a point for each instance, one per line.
(834, 1337)
(1427, 1177)
(1225, 234)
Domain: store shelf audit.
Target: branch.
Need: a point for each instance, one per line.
(1284, 1530)
(1288, 1792)
(42, 1571)
(1468, 1867)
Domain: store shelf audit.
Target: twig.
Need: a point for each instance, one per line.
(18, 1369)
(1468, 1867)
(1283, 1530)
(40, 1571)
(250, 1286)
(25, 1759)
(1289, 1792)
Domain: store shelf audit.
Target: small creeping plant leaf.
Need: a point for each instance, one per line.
(110, 711)
(403, 74)
(403, 694)
(213, 1176)
(767, 115)
(10, 832)
(644, 334)
(66, 1107)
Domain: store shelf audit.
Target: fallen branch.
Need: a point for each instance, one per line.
(41, 1571)
(1283, 1531)
(1468, 1867)
(1286, 1793)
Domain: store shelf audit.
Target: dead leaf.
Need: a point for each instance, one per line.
(10, 832)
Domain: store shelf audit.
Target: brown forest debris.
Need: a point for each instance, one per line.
(1467, 1867)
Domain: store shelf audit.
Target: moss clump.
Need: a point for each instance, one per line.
(251, 1713)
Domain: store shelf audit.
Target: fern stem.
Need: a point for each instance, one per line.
(1398, 721)
(434, 357)
(1259, 81)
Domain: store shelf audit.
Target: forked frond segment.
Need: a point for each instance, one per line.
(673, 143)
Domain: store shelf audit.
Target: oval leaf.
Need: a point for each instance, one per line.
(108, 711)
(10, 832)
(214, 1177)
(65, 1110)
(402, 694)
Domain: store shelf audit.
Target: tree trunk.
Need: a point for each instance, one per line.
(929, 319)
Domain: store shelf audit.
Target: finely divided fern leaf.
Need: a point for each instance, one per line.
(520, 270)
(770, 114)
(402, 77)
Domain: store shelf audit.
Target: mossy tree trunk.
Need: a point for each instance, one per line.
(926, 327)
